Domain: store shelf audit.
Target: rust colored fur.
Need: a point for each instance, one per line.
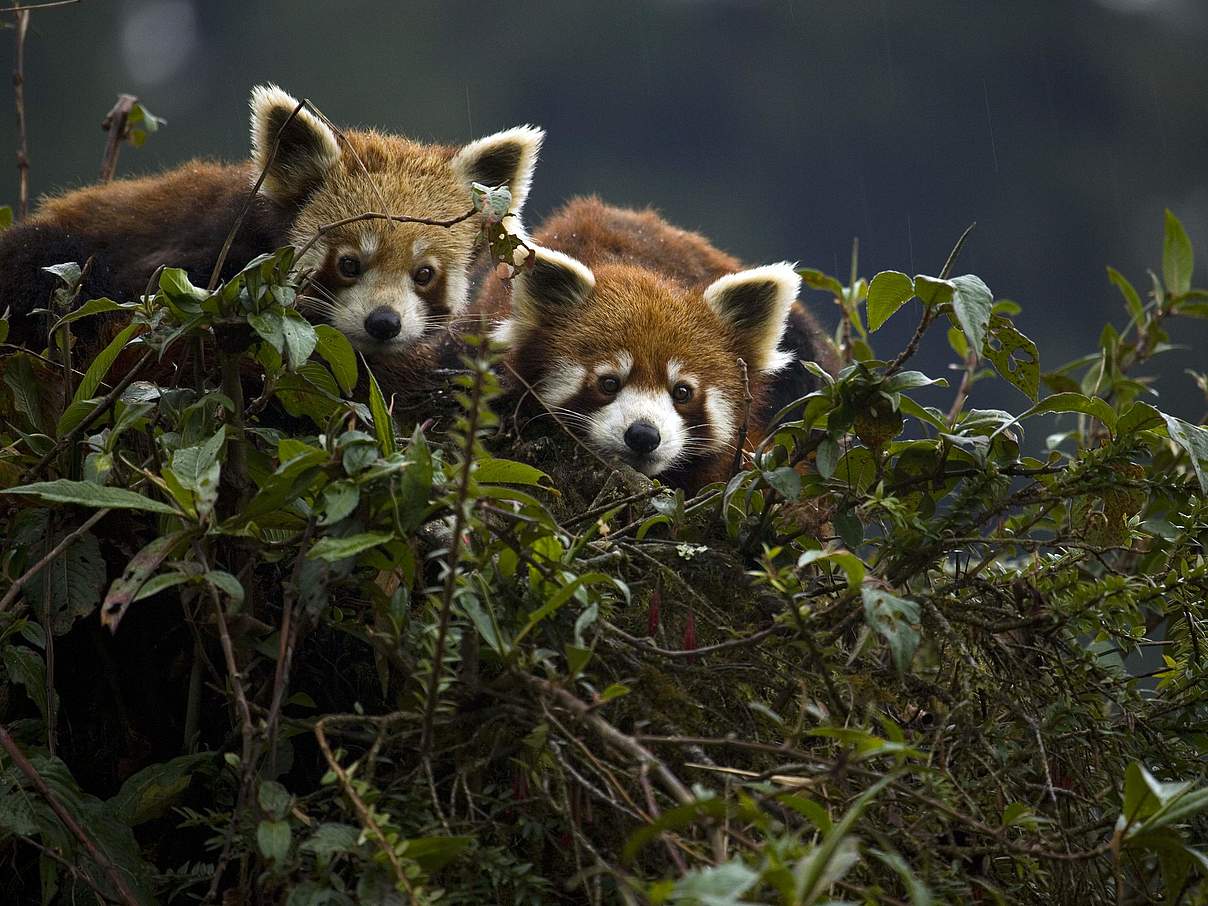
(181, 218)
(649, 300)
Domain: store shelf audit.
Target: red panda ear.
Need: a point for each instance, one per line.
(756, 303)
(504, 159)
(308, 148)
(555, 283)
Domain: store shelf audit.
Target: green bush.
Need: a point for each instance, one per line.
(903, 658)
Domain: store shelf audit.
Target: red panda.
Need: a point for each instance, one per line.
(384, 284)
(631, 330)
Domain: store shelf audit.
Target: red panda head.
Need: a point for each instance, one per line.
(383, 284)
(641, 367)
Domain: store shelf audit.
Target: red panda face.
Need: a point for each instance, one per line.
(382, 283)
(641, 368)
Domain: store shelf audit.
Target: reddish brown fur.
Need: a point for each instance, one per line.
(182, 217)
(648, 296)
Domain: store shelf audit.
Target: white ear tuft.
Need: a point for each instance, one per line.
(756, 303)
(307, 147)
(506, 158)
(555, 283)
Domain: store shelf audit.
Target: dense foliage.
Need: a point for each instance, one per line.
(261, 633)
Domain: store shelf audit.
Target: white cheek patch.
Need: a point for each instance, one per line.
(719, 409)
(609, 423)
(564, 380)
(457, 291)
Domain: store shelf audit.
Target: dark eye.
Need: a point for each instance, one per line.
(681, 393)
(349, 266)
(610, 384)
(423, 275)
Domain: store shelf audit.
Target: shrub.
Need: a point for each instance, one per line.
(350, 655)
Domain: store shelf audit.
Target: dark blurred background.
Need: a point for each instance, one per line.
(779, 129)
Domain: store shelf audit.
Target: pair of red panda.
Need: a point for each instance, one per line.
(628, 328)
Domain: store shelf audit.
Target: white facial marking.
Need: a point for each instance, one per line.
(375, 290)
(419, 247)
(564, 380)
(620, 365)
(457, 290)
(719, 409)
(369, 245)
(610, 422)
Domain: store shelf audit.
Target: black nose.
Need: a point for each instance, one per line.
(383, 323)
(642, 437)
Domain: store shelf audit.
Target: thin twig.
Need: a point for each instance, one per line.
(643, 645)
(116, 123)
(626, 744)
(288, 642)
(362, 809)
(251, 197)
(26, 767)
(929, 311)
(22, 28)
(377, 215)
(23, 580)
(91, 418)
(452, 567)
(747, 400)
(32, 6)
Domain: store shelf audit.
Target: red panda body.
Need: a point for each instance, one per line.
(386, 285)
(631, 331)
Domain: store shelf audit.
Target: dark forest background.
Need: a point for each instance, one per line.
(779, 129)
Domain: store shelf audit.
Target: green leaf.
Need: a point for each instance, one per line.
(270, 327)
(300, 338)
(227, 584)
(198, 469)
(20, 378)
(1178, 258)
(716, 885)
(434, 853)
(1014, 356)
(786, 481)
(895, 620)
(383, 424)
(151, 793)
(74, 580)
(972, 302)
(1138, 417)
(339, 355)
(1072, 402)
(25, 667)
(85, 493)
(920, 895)
(126, 588)
(851, 565)
(888, 292)
(93, 307)
(911, 380)
(340, 499)
(330, 840)
(827, 457)
(6, 216)
(1131, 298)
(331, 549)
(933, 290)
(816, 279)
(505, 471)
(274, 799)
(273, 839)
(1194, 440)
